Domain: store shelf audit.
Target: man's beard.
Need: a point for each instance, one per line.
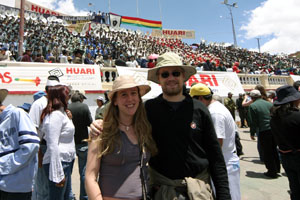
(172, 91)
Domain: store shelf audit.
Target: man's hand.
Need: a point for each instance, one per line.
(96, 128)
(252, 137)
(62, 183)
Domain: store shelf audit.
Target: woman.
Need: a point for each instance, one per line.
(58, 132)
(285, 125)
(125, 140)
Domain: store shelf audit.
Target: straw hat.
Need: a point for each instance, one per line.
(3, 94)
(125, 82)
(170, 59)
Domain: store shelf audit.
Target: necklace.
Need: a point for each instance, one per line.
(126, 126)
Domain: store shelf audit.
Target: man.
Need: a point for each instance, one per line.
(81, 118)
(241, 110)
(207, 66)
(40, 190)
(78, 56)
(259, 119)
(121, 61)
(229, 104)
(184, 133)
(88, 59)
(188, 149)
(4, 54)
(19, 144)
(226, 129)
(26, 56)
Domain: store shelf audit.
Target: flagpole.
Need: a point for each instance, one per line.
(108, 5)
(137, 8)
(159, 5)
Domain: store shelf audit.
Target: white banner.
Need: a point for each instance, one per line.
(171, 33)
(30, 77)
(115, 20)
(36, 8)
(295, 77)
(220, 82)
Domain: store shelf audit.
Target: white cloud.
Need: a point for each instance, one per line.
(279, 19)
(64, 6)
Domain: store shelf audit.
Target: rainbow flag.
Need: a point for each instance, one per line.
(141, 22)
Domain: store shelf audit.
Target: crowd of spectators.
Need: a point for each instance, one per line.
(51, 41)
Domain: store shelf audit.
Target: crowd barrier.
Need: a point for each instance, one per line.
(17, 77)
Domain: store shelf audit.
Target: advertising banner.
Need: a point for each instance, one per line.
(30, 77)
(170, 33)
(220, 82)
(36, 8)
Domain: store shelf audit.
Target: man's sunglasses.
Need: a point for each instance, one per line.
(167, 74)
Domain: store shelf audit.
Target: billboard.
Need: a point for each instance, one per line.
(173, 33)
(36, 8)
(220, 82)
(20, 77)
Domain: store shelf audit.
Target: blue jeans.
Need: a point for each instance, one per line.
(41, 187)
(60, 193)
(81, 152)
(291, 165)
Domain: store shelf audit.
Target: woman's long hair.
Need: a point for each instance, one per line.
(283, 110)
(262, 92)
(109, 139)
(57, 99)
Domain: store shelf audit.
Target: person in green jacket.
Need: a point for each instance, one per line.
(230, 105)
(259, 117)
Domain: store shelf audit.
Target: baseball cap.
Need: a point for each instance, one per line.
(200, 89)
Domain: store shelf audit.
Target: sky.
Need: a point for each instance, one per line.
(275, 22)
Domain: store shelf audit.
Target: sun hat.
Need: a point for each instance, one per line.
(3, 94)
(125, 82)
(255, 93)
(170, 59)
(286, 94)
(200, 89)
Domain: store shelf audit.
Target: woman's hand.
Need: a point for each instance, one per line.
(62, 183)
(96, 128)
(69, 114)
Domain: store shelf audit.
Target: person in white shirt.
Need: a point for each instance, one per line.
(225, 128)
(40, 190)
(58, 132)
(64, 57)
(4, 54)
(132, 63)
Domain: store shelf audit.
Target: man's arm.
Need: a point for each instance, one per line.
(217, 165)
(252, 121)
(219, 124)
